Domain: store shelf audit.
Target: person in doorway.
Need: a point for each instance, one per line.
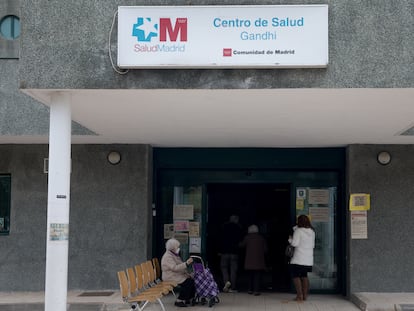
(254, 263)
(303, 240)
(230, 237)
(175, 269)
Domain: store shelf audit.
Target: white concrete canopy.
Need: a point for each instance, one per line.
(240, 117)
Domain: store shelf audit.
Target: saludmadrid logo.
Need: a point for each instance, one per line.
(160, 35)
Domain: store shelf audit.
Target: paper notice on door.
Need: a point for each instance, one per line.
(300, 204)
(318, 196)
(181, 225)
(319, 214)
(195, 245)
(301, 193)
(359, 225)
(183, 211)
(168, 231)
(194, 229)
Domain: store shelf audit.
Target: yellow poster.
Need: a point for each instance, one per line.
(194, 229)
(300, 203)
(359, 202)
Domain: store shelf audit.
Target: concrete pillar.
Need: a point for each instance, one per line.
(57, 240)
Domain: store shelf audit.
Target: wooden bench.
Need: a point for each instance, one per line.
(149, 270)
(139, 299)
(142, 284)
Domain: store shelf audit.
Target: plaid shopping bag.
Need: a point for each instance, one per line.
(204, 282)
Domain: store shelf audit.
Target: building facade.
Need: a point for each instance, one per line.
(118, 212)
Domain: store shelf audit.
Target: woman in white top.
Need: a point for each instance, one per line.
(302, 261)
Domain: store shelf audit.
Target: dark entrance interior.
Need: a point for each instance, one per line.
(266, 205)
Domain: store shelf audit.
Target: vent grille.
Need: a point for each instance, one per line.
(95, 294)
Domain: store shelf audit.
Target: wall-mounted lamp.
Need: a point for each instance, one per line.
(114, 157)
(384, 157)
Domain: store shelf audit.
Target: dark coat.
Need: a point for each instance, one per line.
(256, 247)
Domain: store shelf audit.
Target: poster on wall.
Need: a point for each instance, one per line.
(359, 225)
(59, 232)
(359, 202)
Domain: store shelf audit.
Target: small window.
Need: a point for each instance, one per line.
(10, 27)
(5, 186)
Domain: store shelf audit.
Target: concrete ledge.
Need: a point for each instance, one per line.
(367, 301)
(356, 300)
(404, 307)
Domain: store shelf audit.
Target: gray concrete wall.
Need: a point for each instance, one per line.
(16, 108)
(110, 215)
(384, 261)
(21, 114)
(65, 45)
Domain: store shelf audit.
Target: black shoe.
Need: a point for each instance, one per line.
(256, 294)
(180, 304)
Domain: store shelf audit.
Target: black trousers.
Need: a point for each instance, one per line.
(187, 290)
(255, 280)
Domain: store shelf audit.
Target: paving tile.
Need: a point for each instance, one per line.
(33, 301)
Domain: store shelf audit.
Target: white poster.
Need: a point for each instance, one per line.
(195, 245)
(253, 36)
(359, 225)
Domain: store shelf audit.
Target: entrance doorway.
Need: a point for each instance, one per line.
(266, 205)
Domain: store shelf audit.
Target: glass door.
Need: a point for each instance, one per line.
(186, 223)
(320, 204)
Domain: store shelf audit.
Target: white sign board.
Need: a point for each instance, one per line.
(275, 36)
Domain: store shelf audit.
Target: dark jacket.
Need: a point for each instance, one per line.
(230, 237)
(256, 247)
